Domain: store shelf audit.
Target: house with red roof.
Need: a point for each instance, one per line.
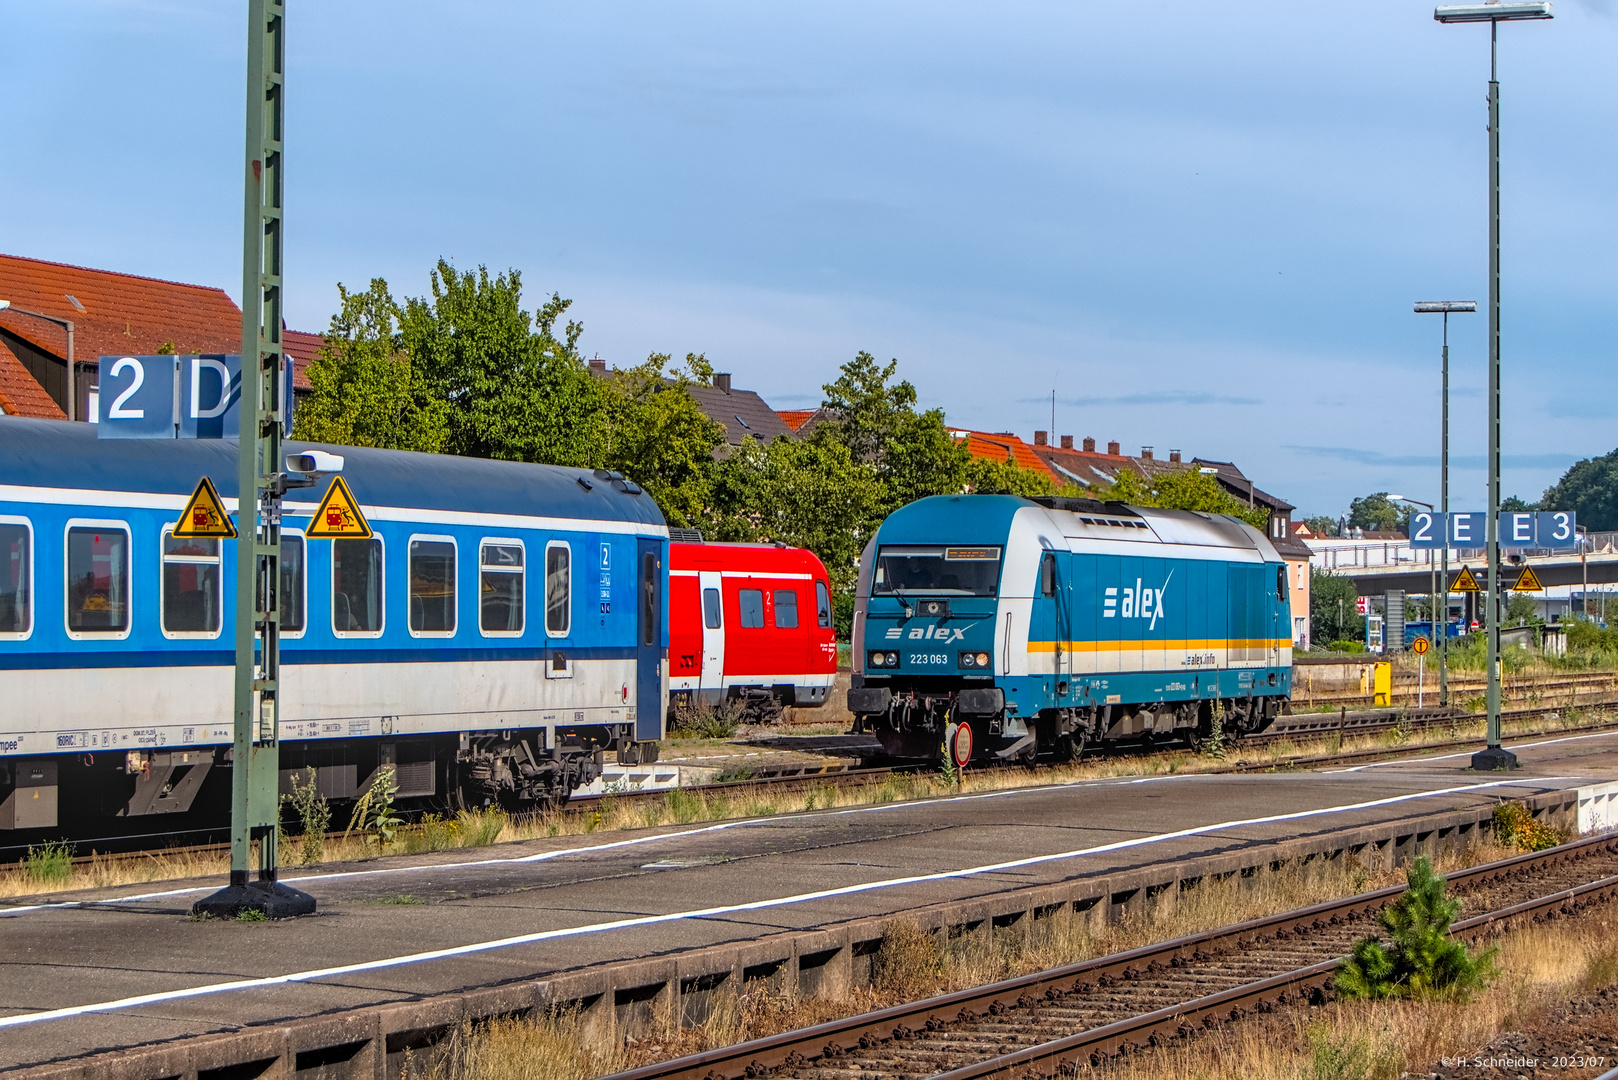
(1003, 446)
(55, 313)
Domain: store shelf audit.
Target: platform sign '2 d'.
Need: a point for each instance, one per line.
(1553, 530)
(194, 396)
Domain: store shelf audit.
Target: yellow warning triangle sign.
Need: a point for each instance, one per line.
(339, 517)
(204, 515)
(1465, 582)
(1527, 581)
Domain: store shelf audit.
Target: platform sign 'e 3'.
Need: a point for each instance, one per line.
(204, 515)
(338, 516)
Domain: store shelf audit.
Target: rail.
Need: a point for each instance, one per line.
(837, 1045)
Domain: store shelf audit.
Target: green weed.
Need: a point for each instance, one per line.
(50, 863)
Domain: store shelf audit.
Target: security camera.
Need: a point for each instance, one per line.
(314, 463)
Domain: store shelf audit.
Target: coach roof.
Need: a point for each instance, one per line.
(54, 453)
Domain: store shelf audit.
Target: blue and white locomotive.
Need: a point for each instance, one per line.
(504, 627)
(1001, 627)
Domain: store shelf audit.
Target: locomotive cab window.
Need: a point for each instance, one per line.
(16, 578)
(432, 586)
(822, 606)
(558, 589)
(294, 585)
(191, 577)
(98, 579)
(948, 571)
(1281, 583)
(710, 608)
(1047, 575)
(356, 587)
(500, 587)
(752, 604)
(786, 609)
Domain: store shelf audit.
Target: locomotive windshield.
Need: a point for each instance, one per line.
(937, 571)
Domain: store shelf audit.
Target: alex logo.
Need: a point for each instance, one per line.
(1138, 603)
(932, 632)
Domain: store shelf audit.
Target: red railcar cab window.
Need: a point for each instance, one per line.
(786, 609)
(710, 608)
(822, 606)
(752, 602)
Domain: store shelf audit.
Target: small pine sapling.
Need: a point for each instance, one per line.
(1420, 959)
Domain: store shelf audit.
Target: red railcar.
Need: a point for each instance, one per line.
(749, 623)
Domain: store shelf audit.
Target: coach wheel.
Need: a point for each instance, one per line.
(1070, 746)
(960, 745)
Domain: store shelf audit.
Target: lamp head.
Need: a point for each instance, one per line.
(1497, 12)
(1446, 307)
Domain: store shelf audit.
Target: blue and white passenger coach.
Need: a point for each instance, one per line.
(504, 627)
(1001, 627)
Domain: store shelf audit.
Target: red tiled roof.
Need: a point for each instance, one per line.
(795, 418)
(118, 313)
(1002, 447)
(300, 347)
(20, 395)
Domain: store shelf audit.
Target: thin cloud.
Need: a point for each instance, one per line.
(1430, 461)
(1161, 397)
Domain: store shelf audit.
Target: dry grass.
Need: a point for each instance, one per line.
(694, 806)
(1542, 968)
(910, 963)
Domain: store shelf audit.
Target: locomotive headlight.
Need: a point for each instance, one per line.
(983, 659)
(884, 659)
(893, 659)
(974, 660)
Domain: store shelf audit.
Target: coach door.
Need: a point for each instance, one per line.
(649, 703)
(713, 636)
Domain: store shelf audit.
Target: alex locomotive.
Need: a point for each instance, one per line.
(1001, 627)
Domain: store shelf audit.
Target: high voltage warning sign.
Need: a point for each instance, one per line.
(1527, 581)
(339, 517)
(204, 515)
(1465, 582)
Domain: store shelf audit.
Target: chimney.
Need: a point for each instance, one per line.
(1067, 442)
(1174, 456)
(721, 381)
(1039, 438)
(598, 365)
(1146, 453)
(1112, 448)
(1089, 445)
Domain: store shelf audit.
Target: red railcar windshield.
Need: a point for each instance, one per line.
(936, 571)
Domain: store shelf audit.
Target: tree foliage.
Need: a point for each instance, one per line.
(366, 390)
(1377, 512)
(1590, 488)
(649, 428)
(1420, 960)
(1184, 489)
(1331, 608)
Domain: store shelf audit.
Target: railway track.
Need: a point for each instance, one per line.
(1290, 728)
(1564, 689)
(1057, 1021)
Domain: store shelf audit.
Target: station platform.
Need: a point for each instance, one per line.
(86, 973)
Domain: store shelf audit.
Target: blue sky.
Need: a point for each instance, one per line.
(1202, 225)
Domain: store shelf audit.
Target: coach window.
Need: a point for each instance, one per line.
(752, 601)
(356, 586)
(190, 586)
(294, 590)
(432, 585)
(786, 609)
(710, 608)
(822, 606)
(500, 587)
(98, 579)
(16, 578)
(558, 588)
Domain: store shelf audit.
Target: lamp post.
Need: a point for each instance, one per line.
(1494, 756)
(72, 395)
(1445, 308)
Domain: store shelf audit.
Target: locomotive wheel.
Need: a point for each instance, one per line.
(1069, 747)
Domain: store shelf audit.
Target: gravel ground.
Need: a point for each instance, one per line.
(1582, 1041)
